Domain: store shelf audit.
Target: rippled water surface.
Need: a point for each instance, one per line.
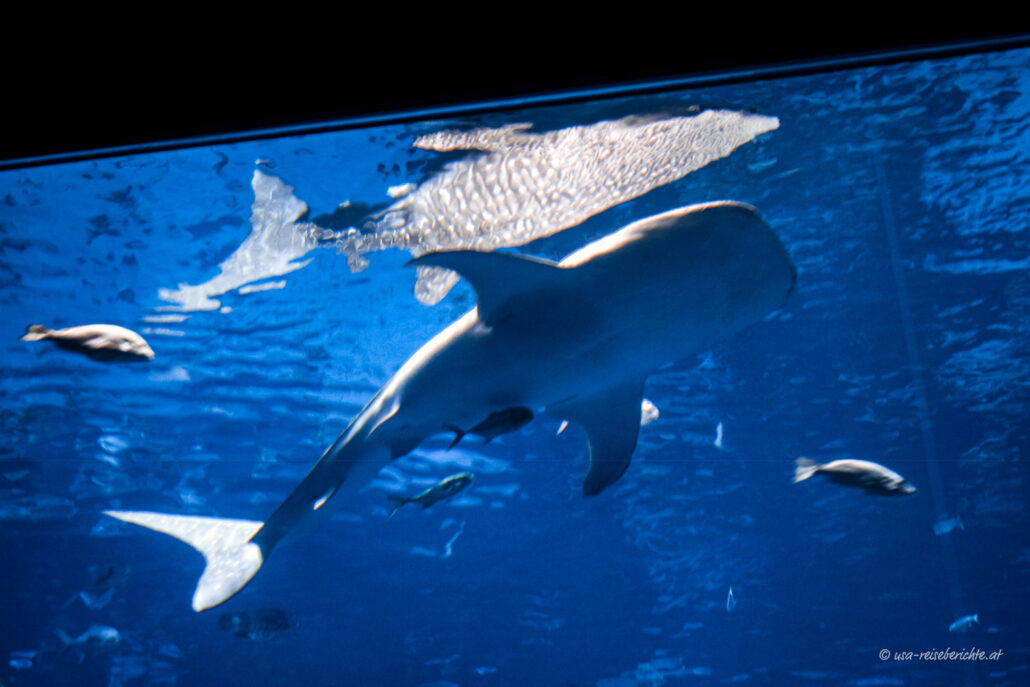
(269, 278)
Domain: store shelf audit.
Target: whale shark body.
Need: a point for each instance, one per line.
(575, 339)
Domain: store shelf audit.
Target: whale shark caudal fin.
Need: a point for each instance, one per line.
(806, 467)
(231, 559)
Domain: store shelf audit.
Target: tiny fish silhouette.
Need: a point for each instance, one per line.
(95, 635)
(444, 489)
(965, 623)
(501, 422)
(259, 625)
(104, 581)
(947, 525)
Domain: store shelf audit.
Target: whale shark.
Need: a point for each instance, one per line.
(506, 191)
(574, 339)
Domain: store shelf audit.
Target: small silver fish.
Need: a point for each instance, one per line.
(102, 342)
(501, 422)
(965, 623)
(947, 525)
(731, 601)
(16, 469)
(21, 660)
(93, 636)
(259, 625)
(864, 474)
(104, 581)
(444, 489)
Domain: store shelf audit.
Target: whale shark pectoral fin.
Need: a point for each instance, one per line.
(611, 420)
(230, 558)
(496, 277)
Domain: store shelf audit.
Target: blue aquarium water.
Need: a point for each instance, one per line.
(269, 279)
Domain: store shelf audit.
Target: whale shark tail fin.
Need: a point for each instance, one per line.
(231, 559)
(805, 468)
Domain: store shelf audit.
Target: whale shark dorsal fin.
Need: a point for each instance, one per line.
(611, 420)
(496, 277)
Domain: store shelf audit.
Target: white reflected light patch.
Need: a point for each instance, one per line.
(322, 499)
(507, 490)
(471, 462)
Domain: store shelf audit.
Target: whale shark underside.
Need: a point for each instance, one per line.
(575, 339)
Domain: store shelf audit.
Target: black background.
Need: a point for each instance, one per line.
(124, 85)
